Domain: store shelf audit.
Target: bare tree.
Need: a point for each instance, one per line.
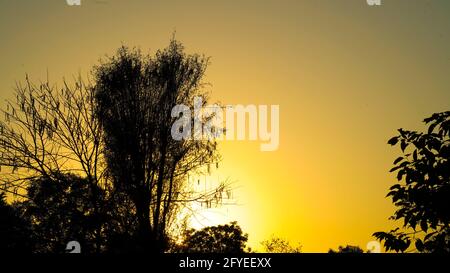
(48, 130)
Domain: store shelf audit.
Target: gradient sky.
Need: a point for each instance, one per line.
(346, 76)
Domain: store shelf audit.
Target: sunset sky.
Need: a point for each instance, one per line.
(344, 74)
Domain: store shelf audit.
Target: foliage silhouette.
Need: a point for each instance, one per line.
(15, 233)
(96, 162)
(60, 210)
(423, 190)
(48, 131)
(347, 249)
(134, 96)
(280, 245)
(227, 238)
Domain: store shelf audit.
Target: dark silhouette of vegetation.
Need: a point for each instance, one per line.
(15, 233)
(60, 211)
(347, 249)
(47, 131)
(135, 95)
(280, 245)
(422, 193)
(96, 162)
(227, 238)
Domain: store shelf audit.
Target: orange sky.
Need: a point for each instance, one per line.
(346, 76)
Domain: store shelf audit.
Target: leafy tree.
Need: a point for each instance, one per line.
(61, 210)
(347, 249)
(227, 238)
(280, 245)
(15, 232)
(422, 193)
(135, 95)
(47, 131)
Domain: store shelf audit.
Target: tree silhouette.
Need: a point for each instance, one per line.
(280, 245)
(227, 238)
(423, 190)
(15, 232)
(97, 162)
(347, 249)
(135, 95)
(60, 210)
(48, 131)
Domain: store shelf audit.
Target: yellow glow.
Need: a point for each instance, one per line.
(345, 75)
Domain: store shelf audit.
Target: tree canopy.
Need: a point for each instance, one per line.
(347, 249)
(95, 161)
(227, 238)
(15, 233)
(135, 95)
(422, 192)
(279, 245)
